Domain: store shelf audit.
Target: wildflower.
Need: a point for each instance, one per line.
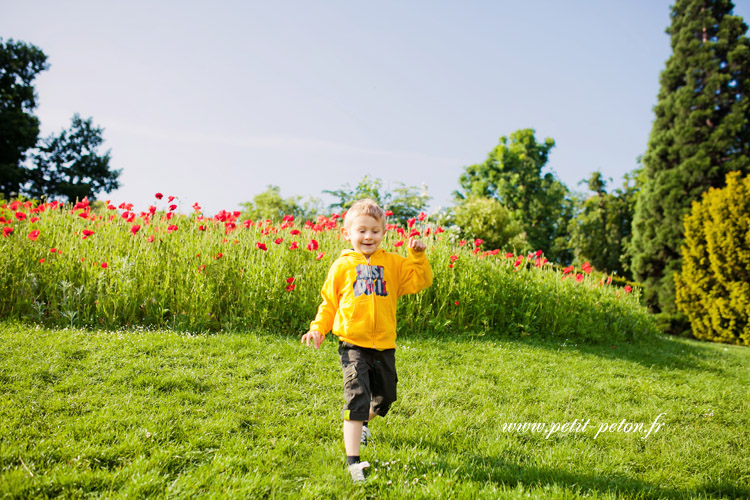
(150, 239)
(567, 270)
(261, 246)
(197, 207)
(201, 228)
(170, 199)
(313, 245)
(320, 256)
(172, 228)
(579, 277)
(290, 280)
(411, 222)
(439, 230)
(294, 246)
(609, 280)
(219, 256)
(388, 213)
(289, 288)
(135, 228)
(104, 265)
(34, 219)
(456, 302)
(628, 288)
(478, 242)
(454, 258)
(20, 216)
(41, 261)
(421, 216)
(294, 232)
(159, 196)
(172, 208)
(7, 230)
(462, 243)
(413, 233)
(586, 267)
(279, 241)
(53, 250)
(33, 235)
(398, 243)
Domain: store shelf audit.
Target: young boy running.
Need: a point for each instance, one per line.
(359, 306)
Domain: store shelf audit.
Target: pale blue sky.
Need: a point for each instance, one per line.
(213, 101)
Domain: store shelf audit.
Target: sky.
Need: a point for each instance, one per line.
(212, 102)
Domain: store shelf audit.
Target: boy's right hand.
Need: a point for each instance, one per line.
(315, 336)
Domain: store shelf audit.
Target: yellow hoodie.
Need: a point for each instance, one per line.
(359, 297)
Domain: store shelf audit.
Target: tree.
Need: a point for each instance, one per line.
(405, 202)
(713, 286)
(488, 220)
(512, 174)
(600, 232)
(269, 205)
(700, 133)
(69, 165)
(19, 128)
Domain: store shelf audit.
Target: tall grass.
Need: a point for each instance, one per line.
(111, 267)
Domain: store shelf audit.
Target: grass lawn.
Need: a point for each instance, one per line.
(165, 415)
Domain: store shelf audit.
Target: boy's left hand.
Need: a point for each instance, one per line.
(416, 245)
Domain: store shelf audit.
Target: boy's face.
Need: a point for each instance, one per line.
(365, 233)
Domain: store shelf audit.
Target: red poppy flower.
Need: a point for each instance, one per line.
(52, 250)
(201, 228)
(289, 288)
(279, 241)
(104, 265)
(219, 256)
(41, 261)
(454, 258)
(34, 219)
(398, 243)
(579, 277)
(628, 288)
(456, 302)
(388, 213)
(478, 242)
(33, 235)
(261, 246)
(320, 256)
(172, 208)
(150, 239)
(294, 246)
(159, 196)
(20, 216)
(586, 267)
(567, 270)
(462, 243)
(135, 228)
(413, 233)
(313, 245)
(290, 280)
(7, 230)
(172, 228)
(450, 265)
(170, 199)
(439, 230)
(294, 232)
(411, 222)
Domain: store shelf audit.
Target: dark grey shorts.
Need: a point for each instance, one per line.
(369, 380)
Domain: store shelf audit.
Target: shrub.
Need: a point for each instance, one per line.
(487, 219)
(713, 287)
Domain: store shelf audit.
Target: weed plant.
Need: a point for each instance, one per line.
(77, 266)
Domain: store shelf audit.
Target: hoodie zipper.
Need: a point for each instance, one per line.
(374, 315)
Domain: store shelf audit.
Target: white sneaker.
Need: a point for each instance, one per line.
(357, 471)
(365, 435)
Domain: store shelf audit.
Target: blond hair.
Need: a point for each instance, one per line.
(364, 207)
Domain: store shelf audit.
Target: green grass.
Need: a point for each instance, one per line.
(159, 414)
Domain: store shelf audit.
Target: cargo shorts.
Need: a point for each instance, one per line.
(370, 380)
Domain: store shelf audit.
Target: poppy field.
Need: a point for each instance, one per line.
(110, 266)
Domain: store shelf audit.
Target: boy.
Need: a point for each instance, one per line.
(359, 305)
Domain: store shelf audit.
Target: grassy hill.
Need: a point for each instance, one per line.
(158, 414)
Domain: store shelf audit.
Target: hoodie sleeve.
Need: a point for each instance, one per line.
(416, 273)
(323, 321)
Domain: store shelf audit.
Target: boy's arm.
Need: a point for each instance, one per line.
(323, 321)
(416, 273)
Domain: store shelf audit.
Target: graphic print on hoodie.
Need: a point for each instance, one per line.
(370, 279)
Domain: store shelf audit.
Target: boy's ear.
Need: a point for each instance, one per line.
(345, 233)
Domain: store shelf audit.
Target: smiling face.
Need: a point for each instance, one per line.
(365, 233)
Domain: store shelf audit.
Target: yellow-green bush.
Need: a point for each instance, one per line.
(713, 288)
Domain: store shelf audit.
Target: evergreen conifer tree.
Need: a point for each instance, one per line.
(700, 133)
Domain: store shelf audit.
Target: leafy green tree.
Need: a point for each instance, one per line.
(70, 165)
(700, 133)
(405, 202)
(512, 174)
(271, 205)
(19, 128)
(600, 233)
(489, 220)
